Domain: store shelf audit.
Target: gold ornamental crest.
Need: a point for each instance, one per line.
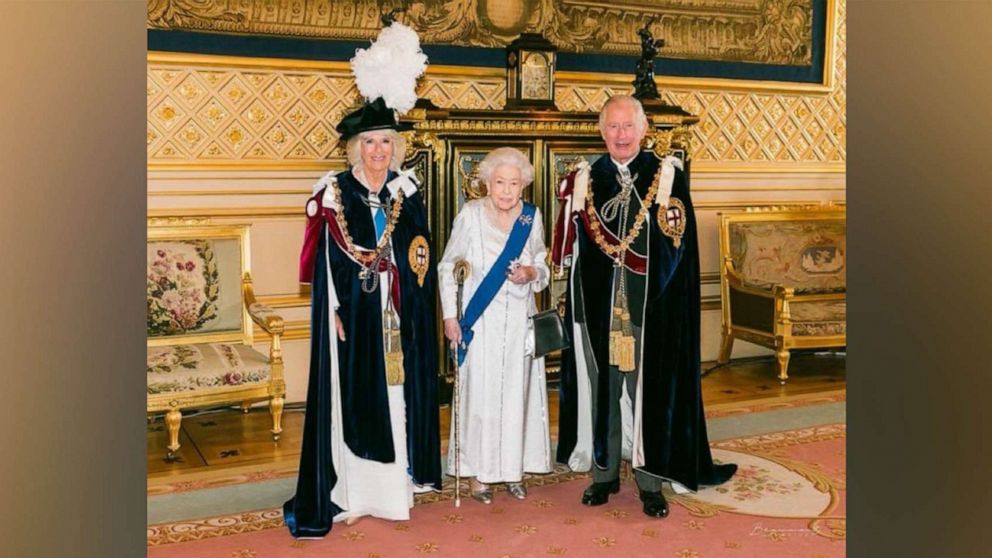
(671, 220)
(419, 256)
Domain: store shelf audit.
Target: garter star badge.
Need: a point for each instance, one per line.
(419, 256)
(671, 220)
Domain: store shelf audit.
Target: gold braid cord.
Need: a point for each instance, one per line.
(642, 215)
(367, 257)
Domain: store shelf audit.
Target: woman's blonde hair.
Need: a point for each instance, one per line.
(506, 156)
(354, 148)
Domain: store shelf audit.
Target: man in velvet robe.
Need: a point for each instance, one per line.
(651, 413)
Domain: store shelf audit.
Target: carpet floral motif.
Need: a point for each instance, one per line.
(770, 483)
(751, 482)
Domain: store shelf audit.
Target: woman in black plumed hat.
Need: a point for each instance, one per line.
(371, 433)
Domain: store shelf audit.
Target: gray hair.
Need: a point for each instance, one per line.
(354, 148)
(639, 116)
(506, 156)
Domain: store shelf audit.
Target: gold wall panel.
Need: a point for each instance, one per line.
(757, 31)
(215, 111)
(221, 110)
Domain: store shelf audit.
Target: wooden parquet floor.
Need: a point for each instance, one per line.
(230, 439)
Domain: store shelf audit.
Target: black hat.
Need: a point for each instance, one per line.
(371, 116)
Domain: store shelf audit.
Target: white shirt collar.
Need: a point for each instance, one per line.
(623, 165)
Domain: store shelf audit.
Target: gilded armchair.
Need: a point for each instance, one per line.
(783, 280)
(201, 311)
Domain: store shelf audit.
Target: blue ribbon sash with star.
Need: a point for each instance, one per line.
(493, 280)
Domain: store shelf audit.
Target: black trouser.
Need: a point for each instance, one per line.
(645, 481)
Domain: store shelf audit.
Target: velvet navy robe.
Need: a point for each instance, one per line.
(365, 406)
(674, 436)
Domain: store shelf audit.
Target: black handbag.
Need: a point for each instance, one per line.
(549, 333)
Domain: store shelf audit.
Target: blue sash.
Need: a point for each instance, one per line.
(497, 275)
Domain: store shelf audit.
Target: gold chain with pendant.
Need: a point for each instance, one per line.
(365, 259)
(642, 215)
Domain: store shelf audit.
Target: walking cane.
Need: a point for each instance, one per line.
(461, 273)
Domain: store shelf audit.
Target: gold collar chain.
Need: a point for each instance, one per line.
(367, 258)
(642, 215)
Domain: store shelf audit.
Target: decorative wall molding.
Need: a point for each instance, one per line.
(273, 114)
(172, 213)
(754, 31)
(294, 300)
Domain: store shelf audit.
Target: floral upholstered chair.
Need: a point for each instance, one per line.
(783, 280)
(201, 310)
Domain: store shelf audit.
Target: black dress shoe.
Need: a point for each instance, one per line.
(655, 504)
(598, 493)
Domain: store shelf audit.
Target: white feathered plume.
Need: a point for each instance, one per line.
(390, 67)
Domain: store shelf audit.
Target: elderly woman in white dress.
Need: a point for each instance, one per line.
(503, 396)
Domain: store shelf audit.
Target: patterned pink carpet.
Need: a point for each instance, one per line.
(788, 500)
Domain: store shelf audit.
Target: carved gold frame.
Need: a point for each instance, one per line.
(462, 26)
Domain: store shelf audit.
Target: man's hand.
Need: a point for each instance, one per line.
(339, 326)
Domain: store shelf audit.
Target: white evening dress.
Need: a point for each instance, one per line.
(503, 391)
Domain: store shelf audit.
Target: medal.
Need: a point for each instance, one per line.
(419, 256)
(671, 220)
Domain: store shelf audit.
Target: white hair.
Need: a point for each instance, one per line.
(639, 116)
(354, 148)
(506, 156)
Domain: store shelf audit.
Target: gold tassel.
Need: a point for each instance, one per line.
(394, 349)
(626, 360)
(622, 345)
(394, 368)
(615, 333)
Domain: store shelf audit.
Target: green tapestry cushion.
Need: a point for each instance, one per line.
(193, 286)
(819, 317)
(809, 256)
(178, 368)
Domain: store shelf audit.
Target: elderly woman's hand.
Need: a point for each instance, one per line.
(452, 331)
(523, 274)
